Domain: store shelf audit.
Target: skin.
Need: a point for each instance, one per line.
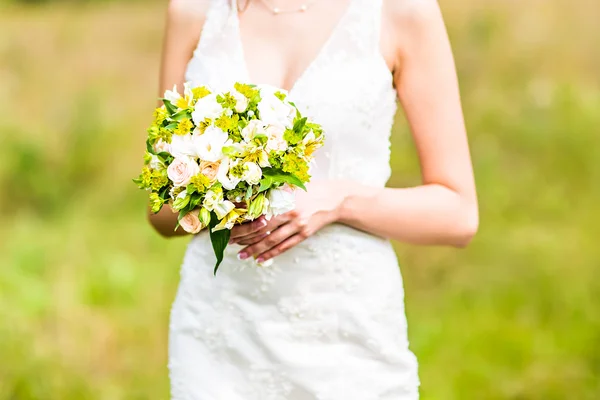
(414, 43)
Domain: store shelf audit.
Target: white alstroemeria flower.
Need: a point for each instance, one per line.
(252, 173)
(182, 146)
(229, 220)
(212, 199)
(275, 140)
(223, 208)
(209, 145)
(309, 138)
(241, 101)
(274, 111)
(225, 177)
(172, 95)
(281, 201)
(187, 91)
(207, 108)
(254, 127)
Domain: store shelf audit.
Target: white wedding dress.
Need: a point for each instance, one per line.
(326, 321)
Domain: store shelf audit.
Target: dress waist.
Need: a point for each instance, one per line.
(335, 241)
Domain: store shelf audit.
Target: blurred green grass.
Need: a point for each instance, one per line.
(86, 286)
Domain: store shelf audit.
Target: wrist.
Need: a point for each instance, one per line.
(347, 194)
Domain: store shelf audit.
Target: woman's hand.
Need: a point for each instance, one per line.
(267, 239)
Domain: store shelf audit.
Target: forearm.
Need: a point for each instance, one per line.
(164, 222)
(430, 214)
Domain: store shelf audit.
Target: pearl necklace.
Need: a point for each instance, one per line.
(278, 11)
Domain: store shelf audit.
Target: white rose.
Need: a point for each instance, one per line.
(181, 171)
(191, 222)
(252, 174)
(225, 178)
(253, 128)
(209, 145)
(207, 107)
(241, 101)
(182, 146)
(275, 140)
(281, 201)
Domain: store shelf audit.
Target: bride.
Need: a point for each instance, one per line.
(326, 319)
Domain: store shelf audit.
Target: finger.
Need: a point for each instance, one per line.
(253, 239)
(280, 248)
(248, 228)
(272, 240)
(273, 224)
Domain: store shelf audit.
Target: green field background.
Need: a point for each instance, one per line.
(86, 285)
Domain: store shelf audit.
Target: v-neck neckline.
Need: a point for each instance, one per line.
(323, 49)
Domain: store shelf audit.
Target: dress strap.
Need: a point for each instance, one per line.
(217, 17)
(372, 15)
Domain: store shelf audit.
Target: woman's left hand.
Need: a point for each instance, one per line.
(316, 208)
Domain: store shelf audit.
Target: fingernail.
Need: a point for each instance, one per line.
(260, 259)
(263, 223)
(242, 256)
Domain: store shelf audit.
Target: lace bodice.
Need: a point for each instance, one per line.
(347, 88)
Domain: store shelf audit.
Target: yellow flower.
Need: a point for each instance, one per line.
(228, 124)
(297, 166)
(201, 182)
(159, 179)
(160, 114)
(184, 127)
(246, 90)
(200, 92)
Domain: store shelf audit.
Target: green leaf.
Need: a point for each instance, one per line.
(149, 147)
(299, 125)
(191, 189)
(171, 109)
(196, 199)
(164, 193)
(171, 126)
(138, 182)
(218, 239)
(183, 114)
(279, 176)
(265, 184)
(165, 157)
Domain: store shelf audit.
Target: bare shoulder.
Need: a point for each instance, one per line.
(185, 9)
(185, 20)
(186, 17)
(410, 25)
(411, 14)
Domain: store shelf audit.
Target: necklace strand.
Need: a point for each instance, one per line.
(278, 11)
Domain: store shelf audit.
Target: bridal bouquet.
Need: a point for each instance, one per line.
(220, 159)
